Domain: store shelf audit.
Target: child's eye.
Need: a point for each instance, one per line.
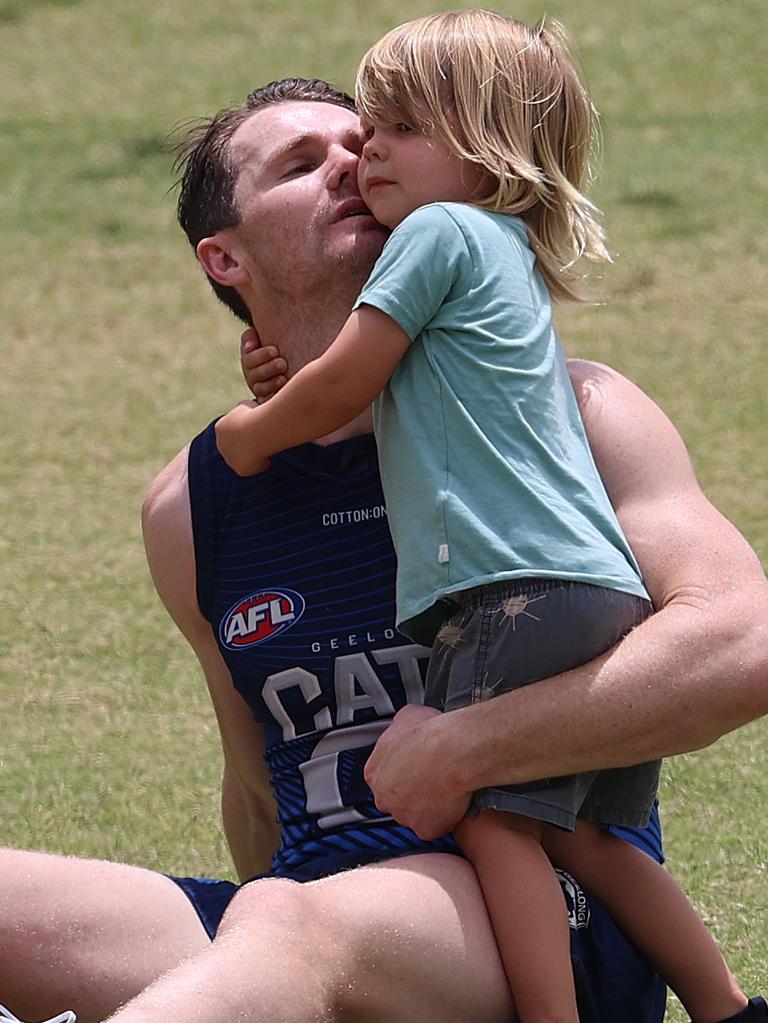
(402, 128)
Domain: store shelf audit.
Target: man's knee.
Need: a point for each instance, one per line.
(268, 901)
(300, 926)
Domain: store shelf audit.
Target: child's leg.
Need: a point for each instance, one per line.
(525, 904)
(654, 914)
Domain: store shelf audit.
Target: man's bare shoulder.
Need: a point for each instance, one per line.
(638, 450)
(167, 494)
(680, 540)
(594, 384)
(582, 370)
(166, 521)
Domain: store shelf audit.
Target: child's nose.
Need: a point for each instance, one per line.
(373, 147)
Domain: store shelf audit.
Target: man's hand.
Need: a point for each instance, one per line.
(263, 368)
(234, 439)
(408, 776)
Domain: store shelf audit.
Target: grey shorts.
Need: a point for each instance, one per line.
(508, 635)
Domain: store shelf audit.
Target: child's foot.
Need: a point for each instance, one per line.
(755, 1011)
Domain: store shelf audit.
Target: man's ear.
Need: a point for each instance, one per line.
(221, 260)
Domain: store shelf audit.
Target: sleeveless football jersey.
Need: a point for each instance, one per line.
(296, 574)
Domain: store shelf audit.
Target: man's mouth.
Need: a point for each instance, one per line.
(352, 208)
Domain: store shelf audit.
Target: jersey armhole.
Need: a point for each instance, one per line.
(201, 512)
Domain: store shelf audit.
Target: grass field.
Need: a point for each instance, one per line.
(114, 354)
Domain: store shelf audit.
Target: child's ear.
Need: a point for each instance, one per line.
(220, 258)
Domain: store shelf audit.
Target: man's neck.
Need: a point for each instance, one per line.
(302, 328)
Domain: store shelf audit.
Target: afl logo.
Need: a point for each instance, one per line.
(260, 617)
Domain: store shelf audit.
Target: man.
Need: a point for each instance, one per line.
(403, 937)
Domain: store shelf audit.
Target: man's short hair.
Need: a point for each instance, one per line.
(207, 172)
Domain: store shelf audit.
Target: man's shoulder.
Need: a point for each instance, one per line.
(591, 379)
(609, 401)
(167, 527)
(639, 453)
(168, 493)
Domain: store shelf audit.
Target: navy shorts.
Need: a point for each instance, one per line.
(511, 634)
(613, 982)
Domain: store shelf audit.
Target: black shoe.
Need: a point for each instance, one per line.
(755, 1011)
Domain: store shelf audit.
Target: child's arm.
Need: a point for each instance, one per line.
(321, 398)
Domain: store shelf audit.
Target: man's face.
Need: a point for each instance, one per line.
(303, 221)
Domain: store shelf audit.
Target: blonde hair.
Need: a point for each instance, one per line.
(511, 99)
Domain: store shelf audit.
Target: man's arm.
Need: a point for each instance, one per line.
(695, 670)
(248, 807)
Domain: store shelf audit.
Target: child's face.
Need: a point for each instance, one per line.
(402, 169)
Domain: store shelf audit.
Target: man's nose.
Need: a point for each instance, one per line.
(343, 165)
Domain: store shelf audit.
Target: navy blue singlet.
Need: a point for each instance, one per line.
(295, 573)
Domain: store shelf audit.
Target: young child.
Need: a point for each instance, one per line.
(478, 134)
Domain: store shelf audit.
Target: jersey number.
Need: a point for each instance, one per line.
(332, 780)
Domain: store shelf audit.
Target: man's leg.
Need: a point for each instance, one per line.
(407, 939)
(85, 934)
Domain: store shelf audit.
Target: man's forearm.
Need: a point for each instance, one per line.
(685, 677)
(251, 833)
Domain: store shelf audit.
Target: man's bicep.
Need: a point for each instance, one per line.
(682, 543)
(687, 550)
(639, 453)
(712, 634)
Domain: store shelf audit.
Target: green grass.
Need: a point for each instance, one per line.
(114, 354)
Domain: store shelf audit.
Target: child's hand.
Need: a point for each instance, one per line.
(263, 368)
(234, 439)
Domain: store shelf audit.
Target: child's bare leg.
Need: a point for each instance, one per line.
(525, 904)
(654, 914)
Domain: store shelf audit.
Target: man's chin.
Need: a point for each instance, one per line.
(367, 224)
(377, 234)
(367, 241)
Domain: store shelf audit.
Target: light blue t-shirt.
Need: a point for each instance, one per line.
(485, 464)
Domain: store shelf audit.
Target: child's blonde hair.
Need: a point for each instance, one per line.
(511, 99)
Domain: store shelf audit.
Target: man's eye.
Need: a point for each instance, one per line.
(305, 167)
